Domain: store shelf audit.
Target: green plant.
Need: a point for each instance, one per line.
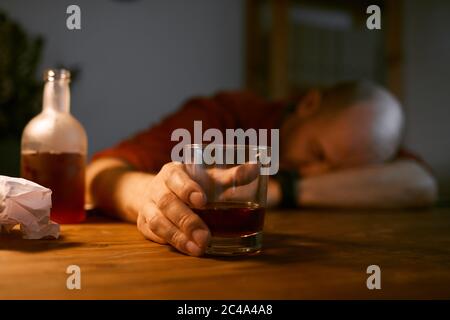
(20, 90)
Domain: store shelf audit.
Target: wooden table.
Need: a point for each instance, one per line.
(307, 254)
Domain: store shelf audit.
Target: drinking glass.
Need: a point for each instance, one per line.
(233, 180)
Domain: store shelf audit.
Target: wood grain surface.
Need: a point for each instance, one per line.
(307, 255)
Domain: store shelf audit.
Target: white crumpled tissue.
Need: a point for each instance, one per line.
(27, 204)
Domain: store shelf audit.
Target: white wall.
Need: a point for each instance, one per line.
(138, 60)
(427, 84)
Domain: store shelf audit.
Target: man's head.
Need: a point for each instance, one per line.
(346, 125)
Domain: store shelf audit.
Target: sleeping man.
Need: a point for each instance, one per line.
(342, 146)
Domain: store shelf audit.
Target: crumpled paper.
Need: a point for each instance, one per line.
(28, 204)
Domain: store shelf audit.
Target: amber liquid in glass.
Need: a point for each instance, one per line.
(232, 219)
(63, 173)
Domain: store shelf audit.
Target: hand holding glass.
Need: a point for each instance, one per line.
(236, 193)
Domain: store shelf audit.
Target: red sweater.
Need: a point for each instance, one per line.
(150, 149)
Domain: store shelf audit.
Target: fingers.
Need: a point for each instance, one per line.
(182, 217)
(235, 176)
(166, 216)
(240, 193)
(144, 228)
(186, 189)
(157, 227)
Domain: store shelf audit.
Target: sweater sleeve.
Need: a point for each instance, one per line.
(150, 149)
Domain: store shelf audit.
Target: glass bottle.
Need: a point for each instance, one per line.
(53, 150)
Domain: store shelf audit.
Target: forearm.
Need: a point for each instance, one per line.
(112, 184)
(394, 185)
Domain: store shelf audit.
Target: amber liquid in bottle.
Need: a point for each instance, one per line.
(63, 173)
(53, 150)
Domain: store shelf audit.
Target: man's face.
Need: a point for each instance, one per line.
(303, 149)
(317, 144)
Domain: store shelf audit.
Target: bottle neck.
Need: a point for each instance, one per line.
(56, 96)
